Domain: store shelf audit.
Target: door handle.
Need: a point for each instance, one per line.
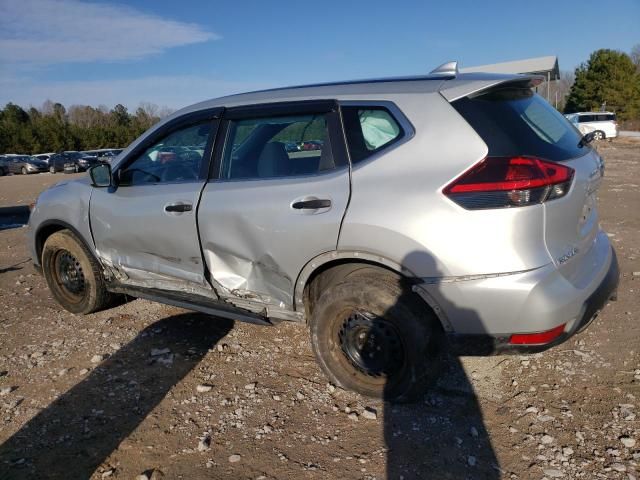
(312, 204)
(178, 207)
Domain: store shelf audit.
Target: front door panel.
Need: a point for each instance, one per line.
(139, 238)
(145, 230)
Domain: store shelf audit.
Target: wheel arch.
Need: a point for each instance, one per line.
(48, 228)
(344, 262)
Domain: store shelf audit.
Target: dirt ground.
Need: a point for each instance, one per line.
(146, 389)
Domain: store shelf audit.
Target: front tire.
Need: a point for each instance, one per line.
(73, 274)
(52, 169)
(373, 335)
(24, 171)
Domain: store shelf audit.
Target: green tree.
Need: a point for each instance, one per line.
(80, 127)
(609, 78)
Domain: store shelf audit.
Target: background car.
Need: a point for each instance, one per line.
(312, 145)
(44, 156)
(25, 164)
(4, 169)
(604, 124)
(71, 162)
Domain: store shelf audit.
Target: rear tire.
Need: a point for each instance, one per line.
(74, 275)
(599, 135)
(52, 169)
(373, 336)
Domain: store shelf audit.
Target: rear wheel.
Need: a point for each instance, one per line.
(73, 274)
(373, 336)
(24, 171)
(52, 169)
(598, 135)
(76, 168)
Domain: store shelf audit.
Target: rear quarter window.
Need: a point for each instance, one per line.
(369, 129)
(515, 122)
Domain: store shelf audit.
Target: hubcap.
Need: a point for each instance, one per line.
(69, 273)
(371, 344)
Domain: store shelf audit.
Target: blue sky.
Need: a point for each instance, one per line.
(174, 53)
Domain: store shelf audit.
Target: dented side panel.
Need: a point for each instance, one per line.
(142, 244)
(255, 244)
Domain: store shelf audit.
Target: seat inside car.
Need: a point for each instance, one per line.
(274, 161)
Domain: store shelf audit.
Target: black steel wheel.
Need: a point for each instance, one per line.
(74, 276)
(372, 335)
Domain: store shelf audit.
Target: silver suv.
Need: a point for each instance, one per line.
(391, 216)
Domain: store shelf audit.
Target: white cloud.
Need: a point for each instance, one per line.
(171, 91)
(44, 32)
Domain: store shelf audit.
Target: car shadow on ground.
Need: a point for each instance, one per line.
(78, 431)
(443, 435)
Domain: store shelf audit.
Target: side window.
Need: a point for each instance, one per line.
(586, 118)
(369, 130)
(176, 157)
(272, 147)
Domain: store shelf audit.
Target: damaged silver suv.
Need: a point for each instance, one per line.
(390, 216)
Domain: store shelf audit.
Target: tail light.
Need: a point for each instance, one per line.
(498, 182)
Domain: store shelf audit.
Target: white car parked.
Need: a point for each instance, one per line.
(603, 124)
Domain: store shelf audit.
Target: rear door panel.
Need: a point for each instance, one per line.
(254, 242)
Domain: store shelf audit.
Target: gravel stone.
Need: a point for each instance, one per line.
(628, 441)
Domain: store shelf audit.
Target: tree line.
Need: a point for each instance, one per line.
(53, 128)
(609, 80)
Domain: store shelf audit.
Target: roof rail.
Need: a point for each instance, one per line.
(446, 70)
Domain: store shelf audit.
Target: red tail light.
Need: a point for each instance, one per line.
(536, 338)
(498, 182)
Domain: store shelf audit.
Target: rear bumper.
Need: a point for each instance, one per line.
(488, 344)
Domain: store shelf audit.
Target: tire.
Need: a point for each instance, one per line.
(52, 169)
(374, 336)
(599, 135)
(76, 169)
(73, 274)
(24, 171)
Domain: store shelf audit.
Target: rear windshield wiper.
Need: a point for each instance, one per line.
(586, 139)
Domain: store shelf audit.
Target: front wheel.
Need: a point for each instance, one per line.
(76, 169)
(73, 274)
(24, 171)
(52, 169)
(375, 337)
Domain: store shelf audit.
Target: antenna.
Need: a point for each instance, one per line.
(446, 70)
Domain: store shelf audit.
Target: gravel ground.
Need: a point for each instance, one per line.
(147, 391)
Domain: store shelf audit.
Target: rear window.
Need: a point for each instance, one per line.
(518, 122)
(605, 117)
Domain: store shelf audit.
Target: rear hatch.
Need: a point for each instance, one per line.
(515, 123)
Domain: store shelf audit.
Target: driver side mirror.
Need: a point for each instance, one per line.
(101, 175)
